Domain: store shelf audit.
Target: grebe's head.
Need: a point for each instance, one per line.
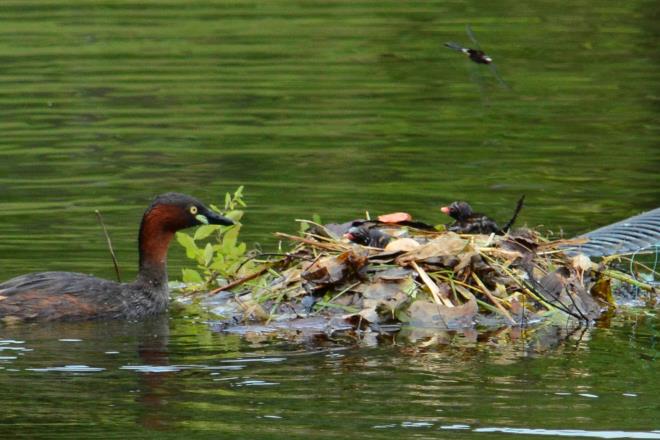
(174, 211)
(457, 210)
(358, 234)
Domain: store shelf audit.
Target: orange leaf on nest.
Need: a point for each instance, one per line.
(395, 217)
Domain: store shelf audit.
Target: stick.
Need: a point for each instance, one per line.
(435, 291)
(493, 299)
(240, 281)
(627, 279)
(329, 303)
(563, 242)
(527, 290)
(330, 247)
(318, 226)
(107, 238)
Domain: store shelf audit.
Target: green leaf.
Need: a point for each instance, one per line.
(204, 231)
(219, 264)
(208, 254)
(191, 276)
(230, 238)
(235, 215)
(188, 243)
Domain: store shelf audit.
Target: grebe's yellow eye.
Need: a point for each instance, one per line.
(193, 210)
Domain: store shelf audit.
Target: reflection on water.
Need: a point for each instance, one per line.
(179, 376)
(331, 108)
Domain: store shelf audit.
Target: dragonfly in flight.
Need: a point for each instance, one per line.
(477, 55)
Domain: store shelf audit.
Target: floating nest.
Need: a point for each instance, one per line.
(409, 273)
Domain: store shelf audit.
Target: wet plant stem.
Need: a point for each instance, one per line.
(524, 288)
(494, 300)
(240, 281)
(435, 291)
(628, 279)
(107, 238)
(334, 298)
(318, 244)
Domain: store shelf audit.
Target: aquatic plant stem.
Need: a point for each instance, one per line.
(435, 291)
(336, 247)
(107, 238)
(336, 296)
(494, 300)
(240, 281)
(527, 290)
(627, 279)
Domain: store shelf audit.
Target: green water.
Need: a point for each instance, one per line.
(318, 107)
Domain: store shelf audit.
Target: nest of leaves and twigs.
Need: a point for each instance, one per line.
(421, 277)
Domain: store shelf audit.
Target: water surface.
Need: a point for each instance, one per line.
(177, 377)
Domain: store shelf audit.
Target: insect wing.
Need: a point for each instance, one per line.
(468, 30)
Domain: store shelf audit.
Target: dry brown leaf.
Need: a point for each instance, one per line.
(447, 245)
(464, 260)
(332, 270)
(387, 296)
(427, 314)
(394, 273)
(368, 315)
(402, 245)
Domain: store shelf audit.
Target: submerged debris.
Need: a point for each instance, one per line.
(390, 272)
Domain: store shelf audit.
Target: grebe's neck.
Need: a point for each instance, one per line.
(156, 232)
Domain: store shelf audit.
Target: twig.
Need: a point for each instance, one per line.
(465, 293)
(568, 293)
(606, 261)
(529, 290)
(347, 309)
(329, 303)
(627, 279)
(456, 282)
(494, 300)
(107, 238)
(435, 291)
(318, 226)
(318, 244)
(563, 242)
(240, 281)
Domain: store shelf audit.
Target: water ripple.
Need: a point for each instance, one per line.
(68, 369)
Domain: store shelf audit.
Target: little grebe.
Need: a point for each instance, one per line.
(368, 235)
(469, 222)
(75, 296)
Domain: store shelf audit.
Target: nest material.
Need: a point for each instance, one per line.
(423, 278)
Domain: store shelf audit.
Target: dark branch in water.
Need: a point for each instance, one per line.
(107, 238)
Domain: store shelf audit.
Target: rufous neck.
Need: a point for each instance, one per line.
(154, 241)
